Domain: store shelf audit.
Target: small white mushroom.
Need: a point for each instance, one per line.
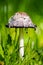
(21, 20)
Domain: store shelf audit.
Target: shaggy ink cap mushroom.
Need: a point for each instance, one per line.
(21, 20)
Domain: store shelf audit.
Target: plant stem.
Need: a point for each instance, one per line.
(21, 41)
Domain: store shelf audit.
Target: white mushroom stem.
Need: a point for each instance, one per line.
(21, 44)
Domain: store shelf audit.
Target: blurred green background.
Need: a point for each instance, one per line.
(9, 38)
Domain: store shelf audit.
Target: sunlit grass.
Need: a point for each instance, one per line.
(9, 44)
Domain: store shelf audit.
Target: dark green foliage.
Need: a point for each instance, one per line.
(1, 58)
(9, 41)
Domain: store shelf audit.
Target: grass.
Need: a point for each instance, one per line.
(9, 47)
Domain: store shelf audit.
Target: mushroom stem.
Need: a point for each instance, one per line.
(21, 44)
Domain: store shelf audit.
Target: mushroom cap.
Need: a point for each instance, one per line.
(20, 20)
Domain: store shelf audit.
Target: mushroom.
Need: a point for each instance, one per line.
(20, 20)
